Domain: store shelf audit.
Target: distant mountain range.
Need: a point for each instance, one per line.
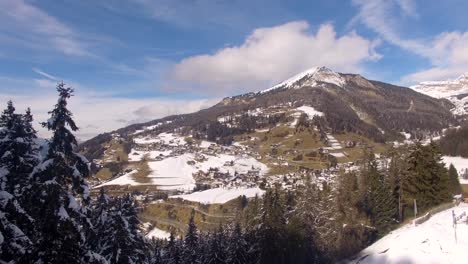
(349, 102)
(454, 90)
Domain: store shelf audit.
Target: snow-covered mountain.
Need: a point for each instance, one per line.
(312, 76)
(454, 90)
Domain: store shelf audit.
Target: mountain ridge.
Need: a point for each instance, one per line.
(456, 91)
(350, 103)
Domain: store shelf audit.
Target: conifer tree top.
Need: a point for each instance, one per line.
(60, 115)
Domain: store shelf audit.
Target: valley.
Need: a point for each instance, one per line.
(200, 162)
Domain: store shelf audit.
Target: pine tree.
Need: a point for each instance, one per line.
(377, 199)
(17, 159)
(216, 251)
(120, 239)
(396, 171)
(156, 251)
(271, 233)
(101, 211)
(14, 243)
(17, 150)
(60, 218)
(427, 179)
(173, 251)
(190, 252)
(238, 248)
(455, 187)
(73, 167)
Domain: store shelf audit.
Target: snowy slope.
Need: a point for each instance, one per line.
(158, 234)
(175, 173)
(430, 242)
(314, 75)
(454, 90)
(220, 195)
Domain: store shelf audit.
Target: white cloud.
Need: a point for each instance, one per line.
(449, 57)
(385, 17)
(30, 25)
(95, 115)
(94, 112)
(447, 52)
(269, 55)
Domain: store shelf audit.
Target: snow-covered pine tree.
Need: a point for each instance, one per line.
(17, 149)
(271, 232)
(238, 248)
(14, 243)
(60, 193)
(173, 250)
(156, 251)
(191, 246)
(120, 239)
(99, 219)
(216, 248)
(17, 159)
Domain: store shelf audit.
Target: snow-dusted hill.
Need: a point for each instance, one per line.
(454, 90)
(431, 242)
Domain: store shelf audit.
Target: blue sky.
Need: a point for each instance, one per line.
(136, 60)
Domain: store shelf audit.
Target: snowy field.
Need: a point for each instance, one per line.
(136, 155)
(126, 179)
(308, 110)
(166, 138)
(430, 242)
(220, 195)
(461, 164)
(158, 234)
(175, 173)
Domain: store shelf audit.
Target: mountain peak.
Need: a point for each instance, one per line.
(316, 74)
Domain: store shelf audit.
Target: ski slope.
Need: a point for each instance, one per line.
(220, 195)
(430, 242)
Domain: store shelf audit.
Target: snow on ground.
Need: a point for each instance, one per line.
(317, 74)
(125, 179)
(406, 135)
(151, 127)
(175, 173)
(205, 144)
(220, 195)
(136, 155)
(166, 138)
(429, 242)
(333, 142)
(310, 111)
(289, 82)
(262, 130)
(338, 155)
(461, 164)
(158, 233)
